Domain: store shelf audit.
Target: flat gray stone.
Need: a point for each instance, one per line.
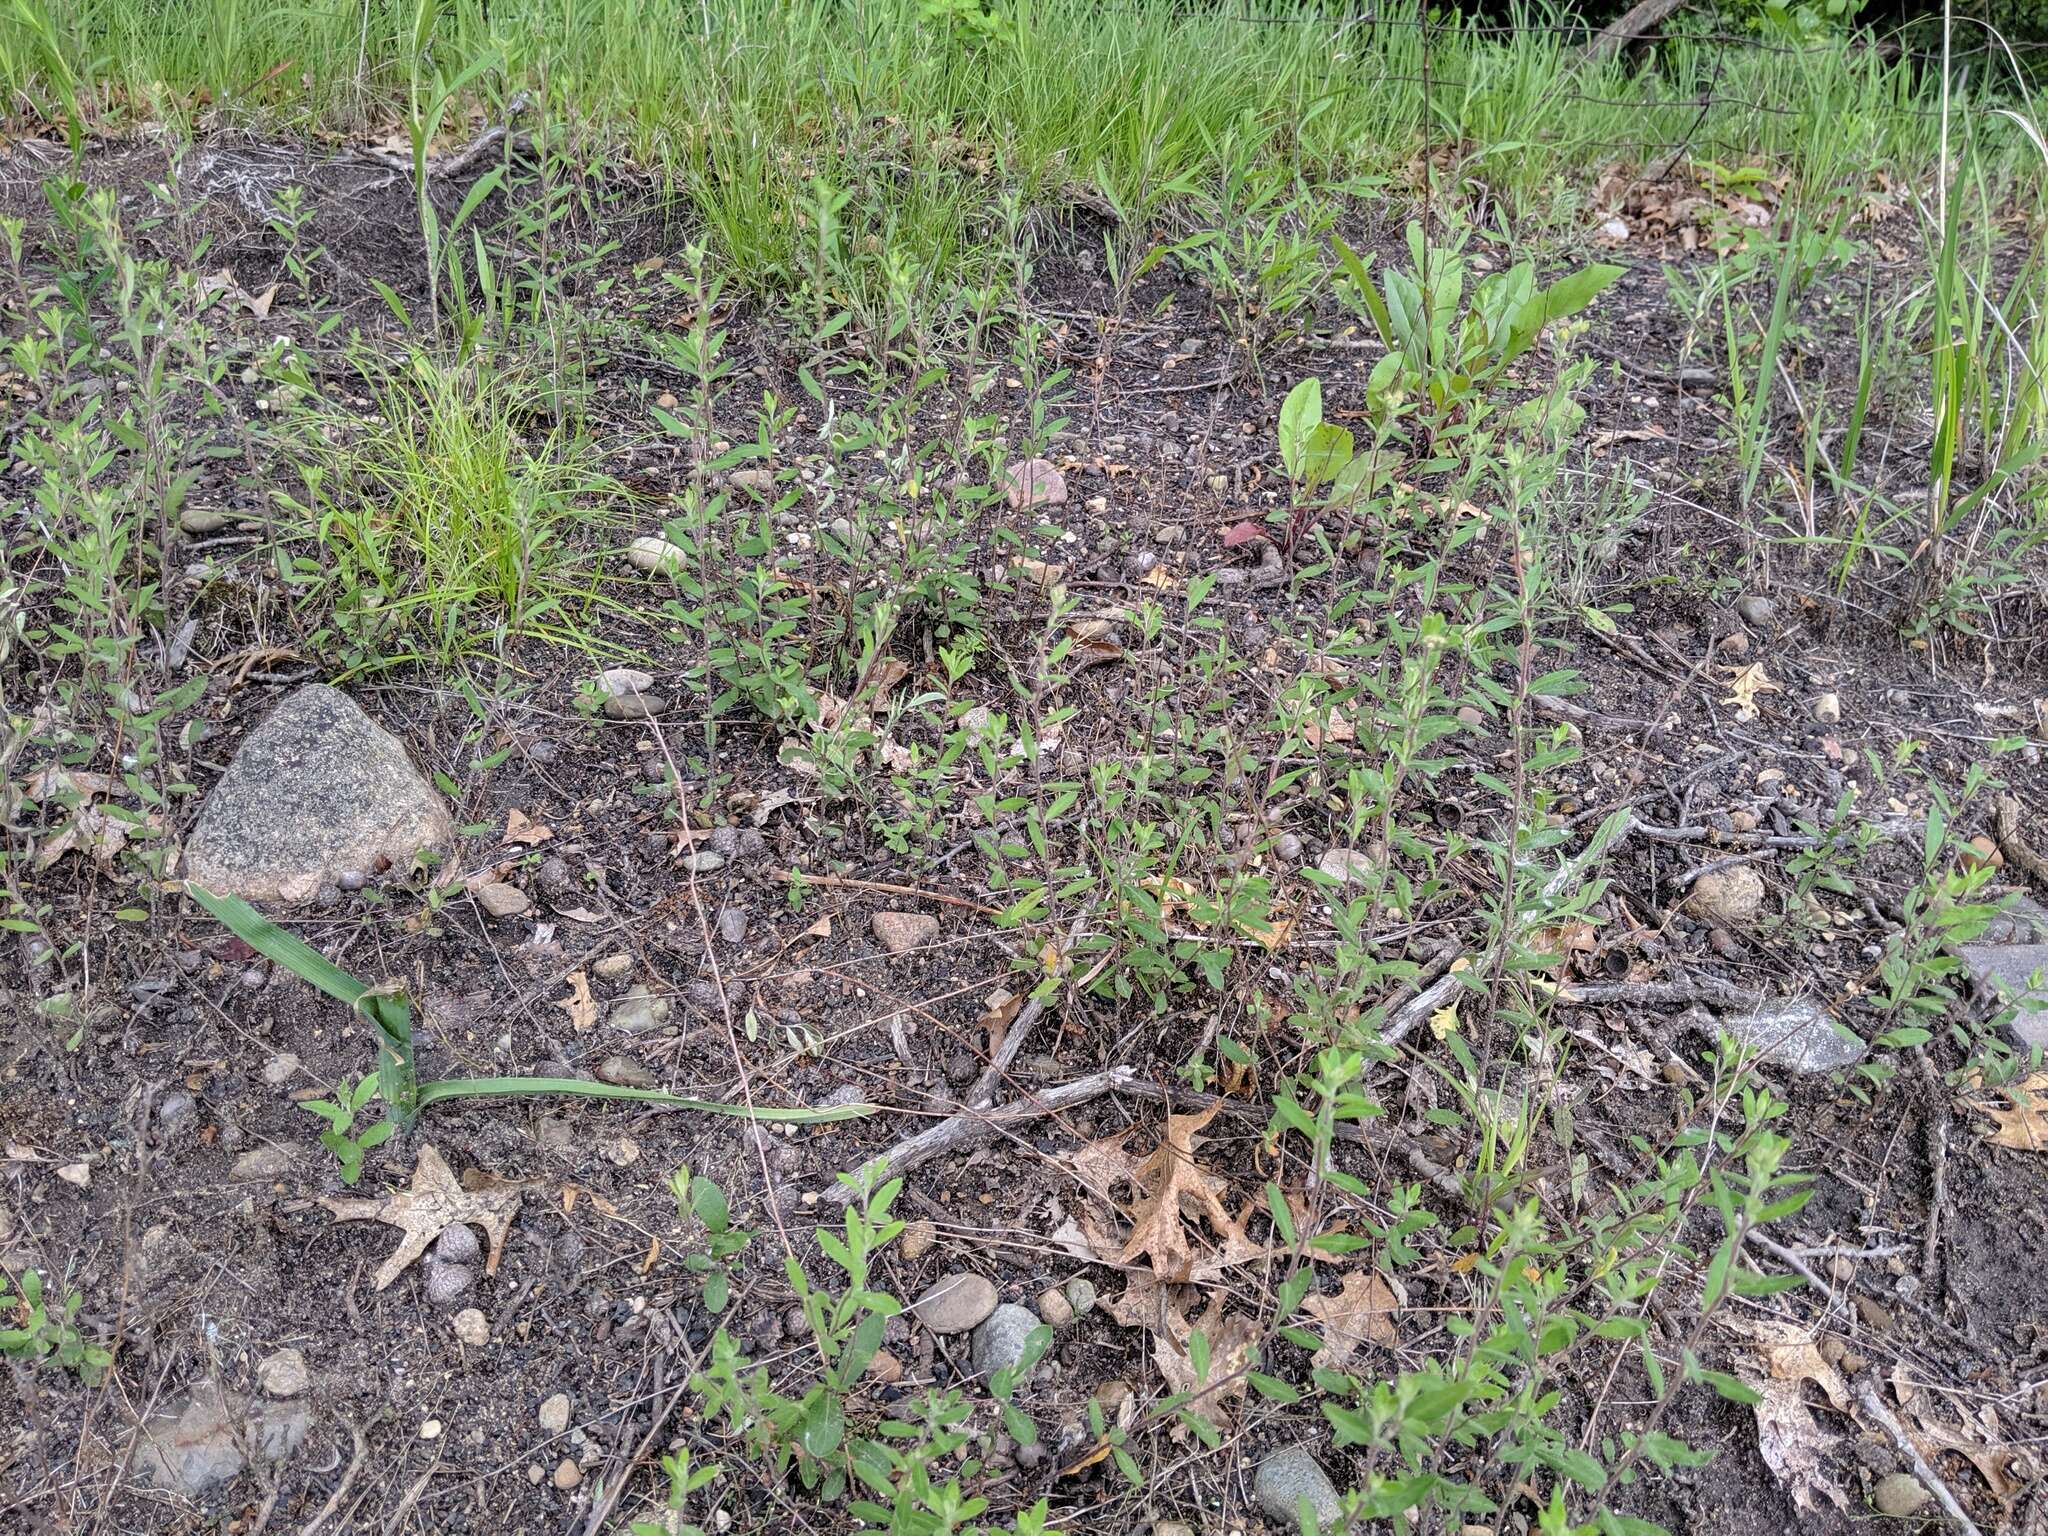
(2024, 922)
(1287, 1477)
(955, 1303)
(317, 790)
(195, 1445)
(1796, 1033)
(2007, 972)
(640, 1011)
(999, 1341)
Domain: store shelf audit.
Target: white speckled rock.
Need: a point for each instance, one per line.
(317, 789)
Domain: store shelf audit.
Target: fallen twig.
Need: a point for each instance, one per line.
(1586, 719)
(972, 1125)
(1657, 834)
(1668, 995)
(1866, 1394)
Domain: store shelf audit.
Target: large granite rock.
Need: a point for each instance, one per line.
(319, 790)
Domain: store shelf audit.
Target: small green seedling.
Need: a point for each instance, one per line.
(340, 1114)
(41, 1336)
(697, 1196)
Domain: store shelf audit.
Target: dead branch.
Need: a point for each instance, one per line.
(1643, 17)
(1866, 1394)
(973, 1125)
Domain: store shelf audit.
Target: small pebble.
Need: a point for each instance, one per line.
(283, 1374)
(472, 1328)
(554, 1413)
(1054, 1307)
(457, 1243)
(431, 1430)
(568, 1474)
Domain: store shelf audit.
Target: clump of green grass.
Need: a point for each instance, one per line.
(456, 516)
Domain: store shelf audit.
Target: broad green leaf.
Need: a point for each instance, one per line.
(1300, 415)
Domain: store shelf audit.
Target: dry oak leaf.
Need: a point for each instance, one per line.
(1362, 1312)
(522, 828)
(1744, 684)
(434, 1203)
(1176, 1189)
(2021, 1114)
(1982, 1440)
(1232, 1339)
(581, 1006)
(1789, 1438)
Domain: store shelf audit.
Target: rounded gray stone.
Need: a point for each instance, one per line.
(640, 1011)
(1286, 1478)
(955, 1303)
(317, 790)
(999, 1341)
(1901, 1496)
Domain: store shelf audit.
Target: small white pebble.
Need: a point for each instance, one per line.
(431, 1430)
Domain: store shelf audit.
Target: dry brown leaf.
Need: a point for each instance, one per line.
(1332, 728)
(1038, 573)
(1362, 1312)
(1231, 1338)
(434, 1203)
(581, 1006)
(92, 832)
(1790, 1439)
(1983, 1443)
(1744, 684)
(1159, 576)
(1177, 1188)
(2021, 1114)
(51, 780)
(883, 674)
(1560, 943)
(1092, 650)
(522, 828)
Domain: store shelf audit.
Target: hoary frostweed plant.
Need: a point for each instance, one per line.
(898, 1474)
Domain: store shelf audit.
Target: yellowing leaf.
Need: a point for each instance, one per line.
(1445, 1020)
